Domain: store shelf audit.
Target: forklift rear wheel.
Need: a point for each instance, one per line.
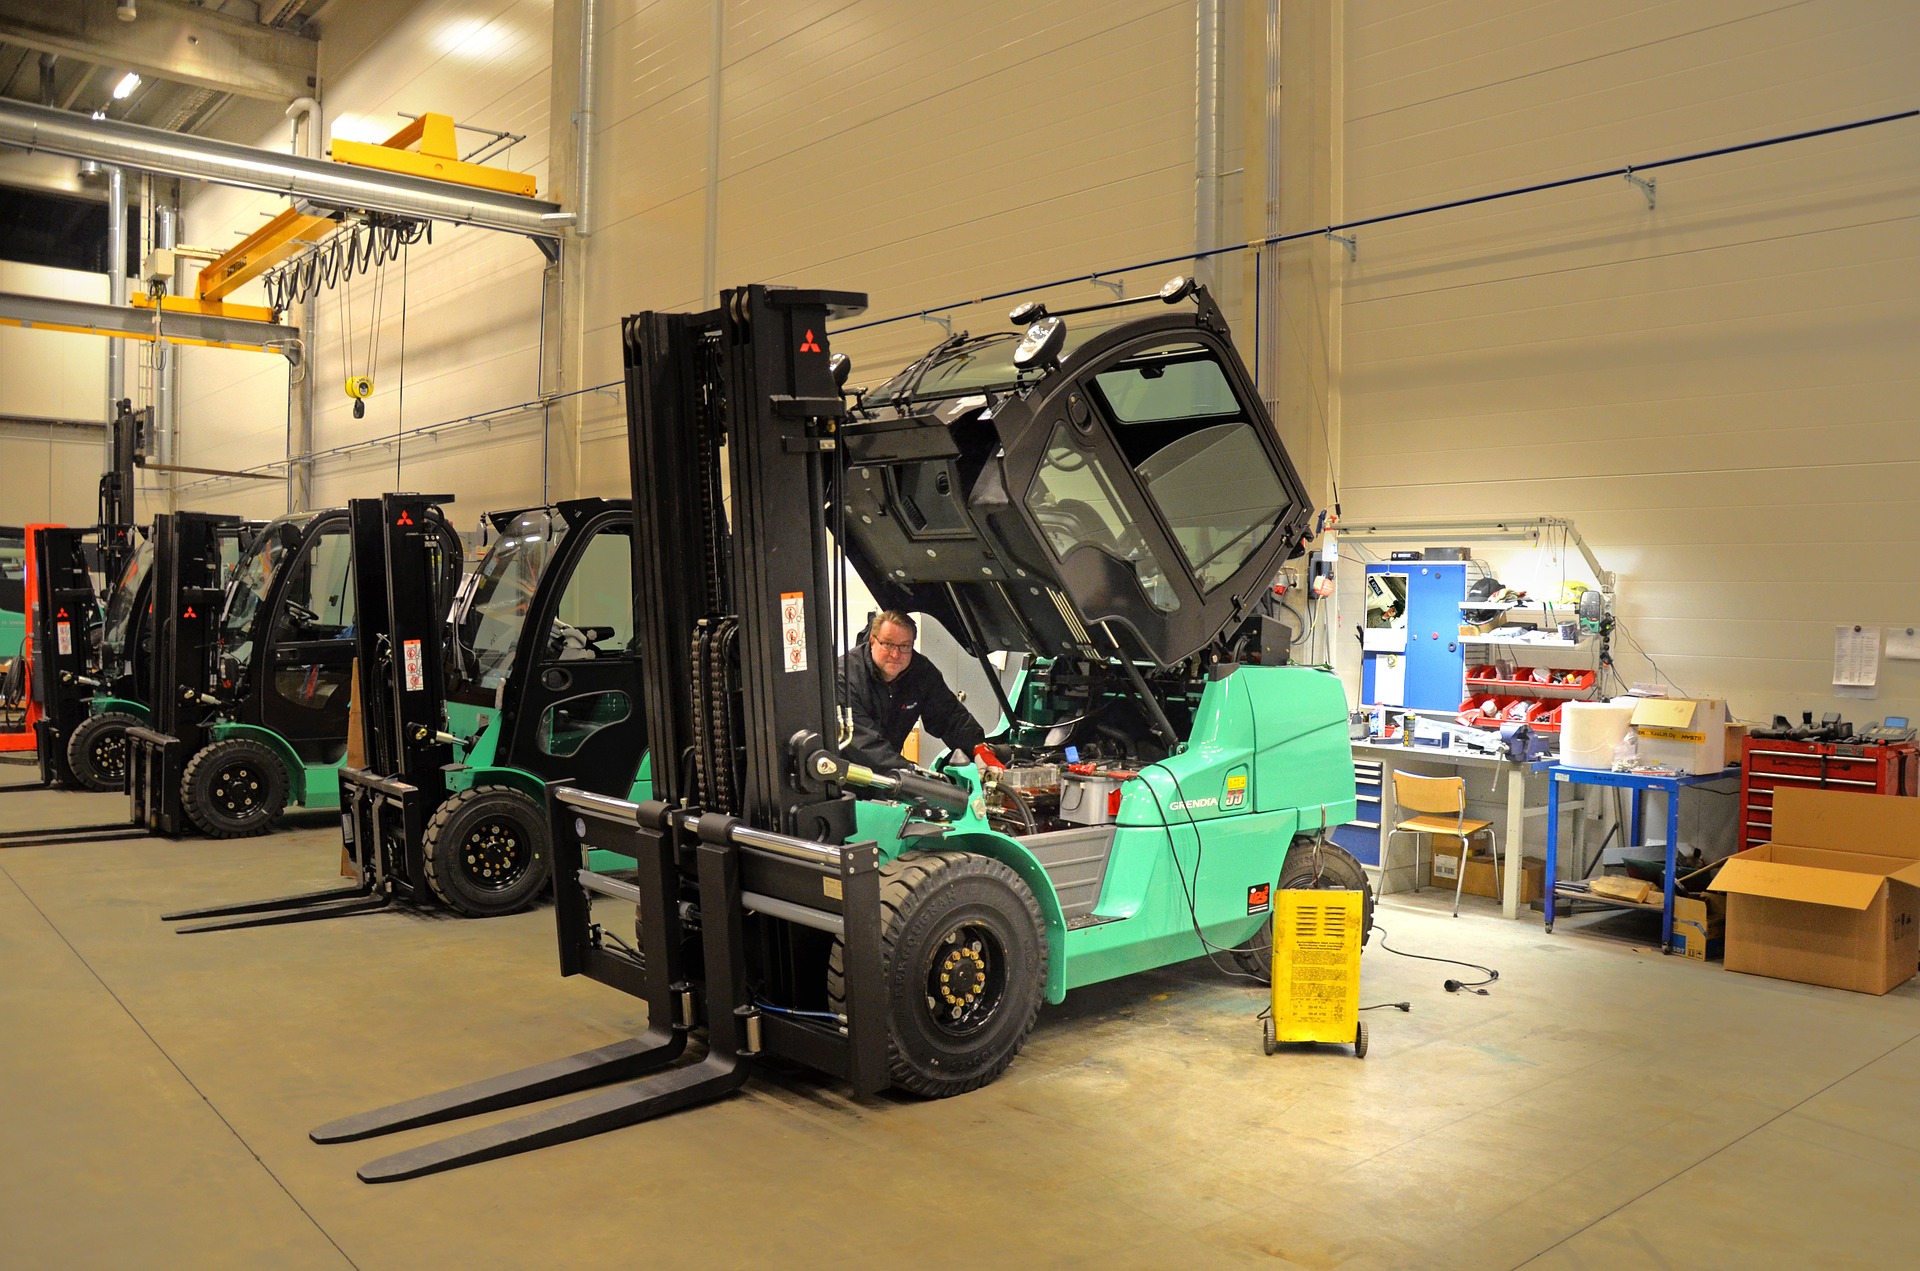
(487, 852)
(1330, 868)
(97, 751)
(964, 951)
(234, 789)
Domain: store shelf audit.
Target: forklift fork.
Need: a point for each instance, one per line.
(362, 798)
(734, 1025)
(312, 906)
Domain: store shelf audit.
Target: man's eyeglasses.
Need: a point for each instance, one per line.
(878, 643)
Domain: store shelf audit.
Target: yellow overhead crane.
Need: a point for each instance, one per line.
(436, 157)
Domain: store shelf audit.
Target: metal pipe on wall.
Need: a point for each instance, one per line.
(335, 185)
(165, 234)
(1206, 140)
(583, 121)
(300, 378)
(116, 292)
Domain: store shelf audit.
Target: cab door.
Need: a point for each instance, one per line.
(578, 716)
(308, 680)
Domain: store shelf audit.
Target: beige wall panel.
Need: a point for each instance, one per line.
(471, 298)
(49, 475)
(53, 374)
(1720, 392)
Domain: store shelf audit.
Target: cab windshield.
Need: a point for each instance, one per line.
(252, 576)
(503, 589)
(115, 655)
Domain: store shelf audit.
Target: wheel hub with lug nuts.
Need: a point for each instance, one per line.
(493, 854)
(963, 984)
(239, 789)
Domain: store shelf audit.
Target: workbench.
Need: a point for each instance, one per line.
(1518, 810)
(1641, 784)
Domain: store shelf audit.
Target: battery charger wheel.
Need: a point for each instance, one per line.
(1360, 1041)
(1310, 865)
(487, 852)
(1269, 1041)
(964, 952)
(234, 789)
(97, 751)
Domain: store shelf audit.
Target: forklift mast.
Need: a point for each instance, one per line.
(128, 429)
(187, 596)
(405, 560)
(63, 612)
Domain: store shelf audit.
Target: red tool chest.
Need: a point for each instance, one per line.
(1768, 764)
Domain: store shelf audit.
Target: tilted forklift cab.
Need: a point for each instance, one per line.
(1127, 494)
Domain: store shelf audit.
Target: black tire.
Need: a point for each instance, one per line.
(1269, 1042)
(1309, 865)
(234, 789)
(487, 852)
(970, 918)
(97, 751)
(1360, 1041)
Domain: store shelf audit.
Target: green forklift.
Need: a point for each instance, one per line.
(465, 723)
(1108, 503)
(257, 719)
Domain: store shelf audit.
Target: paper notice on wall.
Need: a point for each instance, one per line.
(1903, 643)
(1856, 657)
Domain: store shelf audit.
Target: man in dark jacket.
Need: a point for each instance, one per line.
(889, 688)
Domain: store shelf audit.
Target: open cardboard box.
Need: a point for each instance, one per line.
(1834, 899)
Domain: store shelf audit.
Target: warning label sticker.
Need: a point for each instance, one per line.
(65, 637)
(410, 658)
(793, 629)
(1236, 792)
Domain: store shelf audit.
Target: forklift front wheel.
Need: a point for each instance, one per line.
(97, 751)
(487, 852)
(1325, 866)
(964, 952)
(234, 789)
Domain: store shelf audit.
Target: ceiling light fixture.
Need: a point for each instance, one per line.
(124, 89)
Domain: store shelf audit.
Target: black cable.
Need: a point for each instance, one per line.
(1452, 986)
(1200, 848)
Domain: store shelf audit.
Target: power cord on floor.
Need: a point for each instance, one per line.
(1452, 986)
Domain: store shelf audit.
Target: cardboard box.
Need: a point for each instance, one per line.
(1686, 735)
(1699, 926)
(1446, 869)
(1834, 899)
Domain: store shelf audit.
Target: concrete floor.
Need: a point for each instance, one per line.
(1601, 1107)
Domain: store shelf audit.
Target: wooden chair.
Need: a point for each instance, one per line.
(1442, 806)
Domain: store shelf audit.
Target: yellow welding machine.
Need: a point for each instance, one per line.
(1316, 969)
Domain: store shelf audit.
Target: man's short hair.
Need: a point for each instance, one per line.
(895, 617)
